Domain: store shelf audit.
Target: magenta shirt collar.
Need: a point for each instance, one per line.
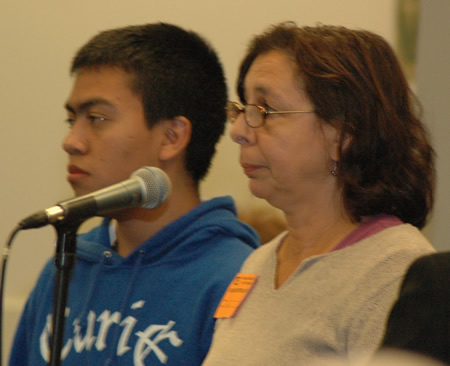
(368, 228)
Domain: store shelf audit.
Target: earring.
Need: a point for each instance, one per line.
(334, 170)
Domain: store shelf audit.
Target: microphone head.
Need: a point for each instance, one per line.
(156, 187)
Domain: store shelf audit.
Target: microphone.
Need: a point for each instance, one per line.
(147, 187)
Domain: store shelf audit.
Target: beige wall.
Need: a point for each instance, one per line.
(433, 89)
(38, 40)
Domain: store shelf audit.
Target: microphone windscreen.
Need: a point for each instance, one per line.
(157, 186)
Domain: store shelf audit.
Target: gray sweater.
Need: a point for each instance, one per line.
(334, 305)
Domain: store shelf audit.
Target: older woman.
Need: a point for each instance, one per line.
(329, 134)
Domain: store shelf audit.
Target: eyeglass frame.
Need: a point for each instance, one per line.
(264, 113)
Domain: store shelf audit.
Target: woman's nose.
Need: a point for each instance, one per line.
(240, 132)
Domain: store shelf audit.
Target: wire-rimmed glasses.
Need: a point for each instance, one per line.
(254, 115)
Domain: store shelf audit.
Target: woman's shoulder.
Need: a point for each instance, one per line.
(403, 239)
(385, 255)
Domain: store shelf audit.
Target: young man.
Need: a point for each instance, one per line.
(146, 282)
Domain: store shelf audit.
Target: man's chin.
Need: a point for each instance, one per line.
(81, 191)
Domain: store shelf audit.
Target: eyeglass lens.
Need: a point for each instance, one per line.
(254, 115)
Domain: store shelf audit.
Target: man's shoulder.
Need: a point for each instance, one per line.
(433, 267)
(439, 259)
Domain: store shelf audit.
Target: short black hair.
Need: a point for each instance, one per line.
(176, 73)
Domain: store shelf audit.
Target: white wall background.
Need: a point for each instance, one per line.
(38, 40)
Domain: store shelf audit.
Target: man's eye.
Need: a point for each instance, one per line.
(70, 121)
(97, 119)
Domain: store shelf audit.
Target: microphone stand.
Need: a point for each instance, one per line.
(64, 262)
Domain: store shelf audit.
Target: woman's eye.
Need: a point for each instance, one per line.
(269, 108)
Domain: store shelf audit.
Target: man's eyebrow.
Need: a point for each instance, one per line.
(87, 104)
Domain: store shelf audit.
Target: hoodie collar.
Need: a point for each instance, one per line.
(212, 217)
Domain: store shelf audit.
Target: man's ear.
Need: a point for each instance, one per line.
(177, 135)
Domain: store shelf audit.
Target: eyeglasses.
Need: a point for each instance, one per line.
(254, 115)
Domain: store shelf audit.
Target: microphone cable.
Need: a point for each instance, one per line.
(4, 261)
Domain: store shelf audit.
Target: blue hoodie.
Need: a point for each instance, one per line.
(154, 307)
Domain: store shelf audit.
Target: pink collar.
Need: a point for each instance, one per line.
(368, 228)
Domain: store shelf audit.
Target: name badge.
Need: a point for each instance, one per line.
(235, 295)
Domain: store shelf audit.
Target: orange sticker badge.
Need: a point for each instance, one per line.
(235, 295)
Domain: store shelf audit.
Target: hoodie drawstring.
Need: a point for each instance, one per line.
(125, 302)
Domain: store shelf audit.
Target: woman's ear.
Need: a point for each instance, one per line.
(332, 139)
(177, 135)
(336, 141)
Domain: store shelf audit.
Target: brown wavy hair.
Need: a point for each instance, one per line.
(356, 84)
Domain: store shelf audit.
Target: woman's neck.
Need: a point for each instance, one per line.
(309, 236)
